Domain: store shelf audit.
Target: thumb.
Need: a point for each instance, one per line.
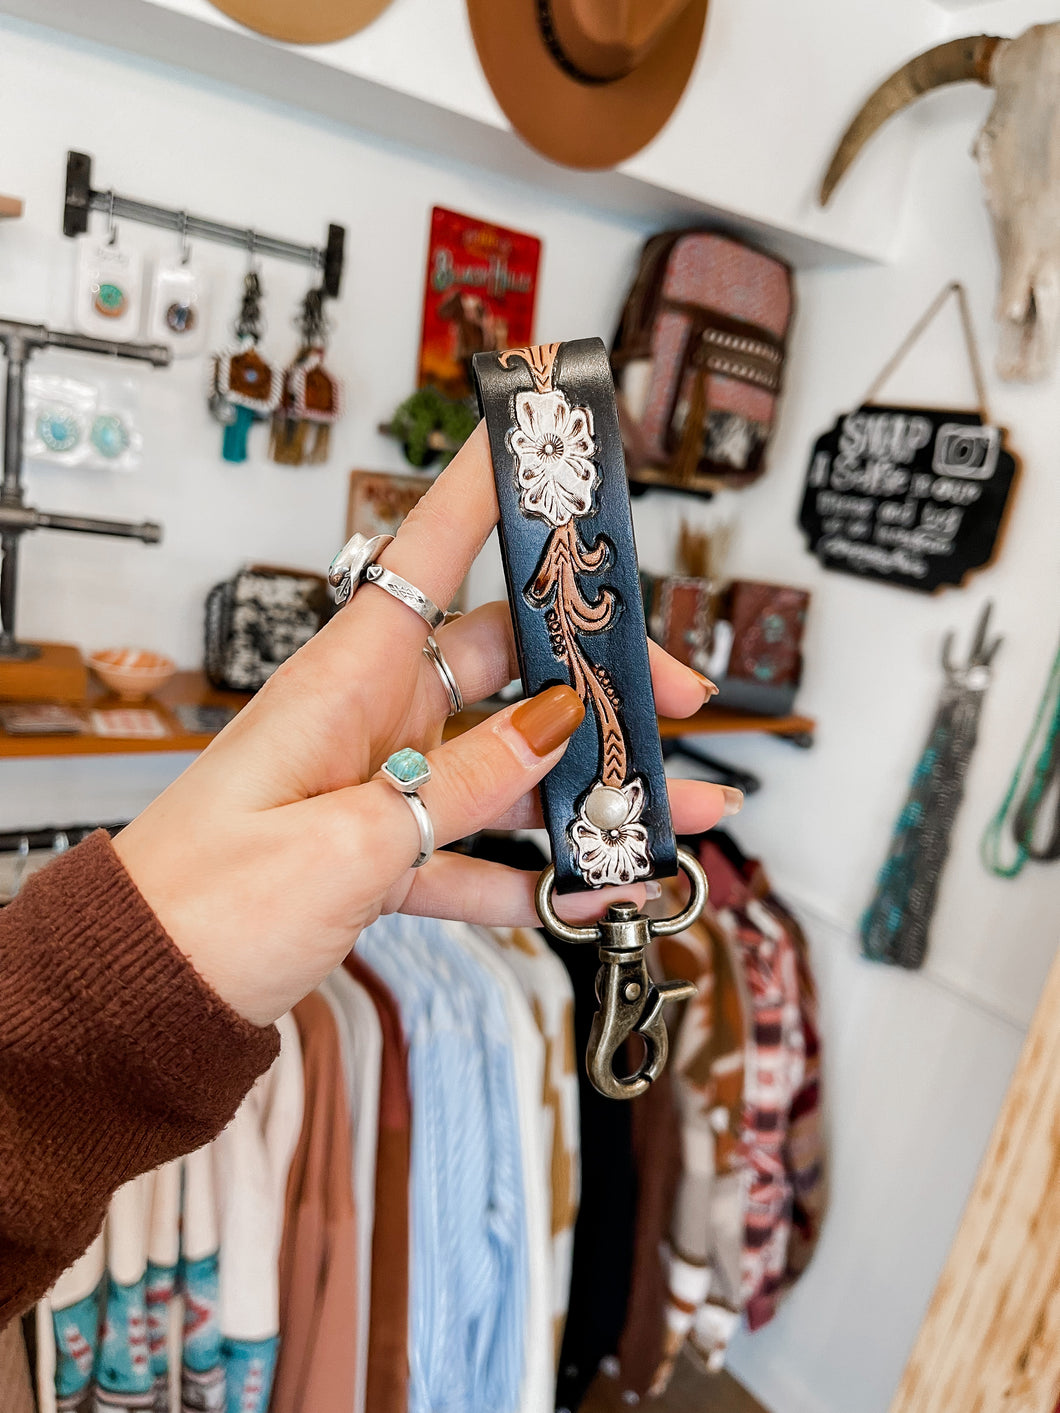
(474, 779)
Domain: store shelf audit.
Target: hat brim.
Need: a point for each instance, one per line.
(580, 124)
(303, 21)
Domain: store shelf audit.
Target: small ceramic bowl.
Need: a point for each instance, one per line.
(132, 673)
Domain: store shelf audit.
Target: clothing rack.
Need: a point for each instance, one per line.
(16, 841)
(82, 197)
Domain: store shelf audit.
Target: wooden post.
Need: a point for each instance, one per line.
(990, 1342)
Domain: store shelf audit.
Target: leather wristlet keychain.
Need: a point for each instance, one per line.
(571, 569)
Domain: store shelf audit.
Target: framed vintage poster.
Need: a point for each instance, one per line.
(480, 289)
(379, 501)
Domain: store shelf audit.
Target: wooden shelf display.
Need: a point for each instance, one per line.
(192, 689)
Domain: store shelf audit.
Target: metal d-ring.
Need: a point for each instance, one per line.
(629, 1001)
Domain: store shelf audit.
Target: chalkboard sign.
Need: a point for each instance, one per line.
(908, 495)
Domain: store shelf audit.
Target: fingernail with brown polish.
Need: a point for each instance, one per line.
(733, 800)
(711, 688)
(547, 720)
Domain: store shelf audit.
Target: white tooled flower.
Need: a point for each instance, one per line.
(610, 841)
(553, 445)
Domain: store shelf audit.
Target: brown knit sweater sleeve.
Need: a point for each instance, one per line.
(115, 1056)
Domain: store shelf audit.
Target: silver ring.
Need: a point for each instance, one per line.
(406, 771)
(433, 653)
(355, 564)
(405, 593)
(346, 572)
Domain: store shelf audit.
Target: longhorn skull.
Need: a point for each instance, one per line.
(1018, 151)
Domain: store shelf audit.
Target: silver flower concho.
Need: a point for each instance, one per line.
(553, 447)
(617, 853)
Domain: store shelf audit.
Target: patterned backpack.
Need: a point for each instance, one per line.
(698, 360)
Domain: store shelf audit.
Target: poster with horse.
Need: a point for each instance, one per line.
(480, 290)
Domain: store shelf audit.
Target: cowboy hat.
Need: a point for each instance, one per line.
(303, 21)
(587, 82)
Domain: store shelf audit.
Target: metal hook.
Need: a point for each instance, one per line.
(975, 672)
(252, 250)
(629, 1001)
(112, 229)
(185, 246)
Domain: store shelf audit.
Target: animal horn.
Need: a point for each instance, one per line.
(956, 61)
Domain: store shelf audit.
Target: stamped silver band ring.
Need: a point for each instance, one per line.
(355, 564)
(406, 593)
(406, 771)
(433, 653)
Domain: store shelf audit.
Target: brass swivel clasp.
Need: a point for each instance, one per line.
(630, 1003)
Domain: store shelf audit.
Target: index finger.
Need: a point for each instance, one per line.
(438, 540)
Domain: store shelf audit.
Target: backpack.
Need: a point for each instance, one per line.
(698, 360)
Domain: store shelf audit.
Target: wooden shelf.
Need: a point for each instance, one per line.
(10, 207)
(192, 689)
(182, 689)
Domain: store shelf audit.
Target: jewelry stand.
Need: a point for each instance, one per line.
(46, 670)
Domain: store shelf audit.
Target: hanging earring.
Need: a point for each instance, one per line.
(243, 387)
(312, 396)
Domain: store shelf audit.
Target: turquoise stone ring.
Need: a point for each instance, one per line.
(407, 770)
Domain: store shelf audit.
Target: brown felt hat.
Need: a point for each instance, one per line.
(304, 21)
(587, 82)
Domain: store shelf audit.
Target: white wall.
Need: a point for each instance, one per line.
(916, 1065)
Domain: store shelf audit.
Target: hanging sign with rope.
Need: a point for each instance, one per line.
(912, 496)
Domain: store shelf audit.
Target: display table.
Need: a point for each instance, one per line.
(192, 689)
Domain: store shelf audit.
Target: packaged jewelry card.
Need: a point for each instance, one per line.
(93, 425)
(108, 288)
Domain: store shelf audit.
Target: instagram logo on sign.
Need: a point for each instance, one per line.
(963, 450)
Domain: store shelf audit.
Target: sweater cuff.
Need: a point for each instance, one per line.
(196, 1053)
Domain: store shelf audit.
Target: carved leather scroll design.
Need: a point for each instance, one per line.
(555, 454)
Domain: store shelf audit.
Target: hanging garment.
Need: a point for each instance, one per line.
(708, 1219)
(388, 1334)
(16, 1389)
(123, 1373)
(469, 1245)
(163, 1273)
(602, 1258)
(774, 1074)
(362, 1049)
(547, 988)
(528, 1054)
(202, 1375)
(251, 1163)
(69, 1321)
(657, 1156)
(317, 1362)
(804, 1151)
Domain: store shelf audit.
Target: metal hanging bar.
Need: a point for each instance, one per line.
(82, 197)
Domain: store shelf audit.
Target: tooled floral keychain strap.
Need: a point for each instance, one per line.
(570, 563)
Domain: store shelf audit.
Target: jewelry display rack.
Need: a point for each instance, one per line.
(82, 197)
(19, 342)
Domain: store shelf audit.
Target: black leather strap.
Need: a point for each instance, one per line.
(571, 568)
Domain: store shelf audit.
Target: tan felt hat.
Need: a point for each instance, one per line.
(587, 82)
(303, 21)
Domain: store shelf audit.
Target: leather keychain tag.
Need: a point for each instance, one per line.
(570, 565)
